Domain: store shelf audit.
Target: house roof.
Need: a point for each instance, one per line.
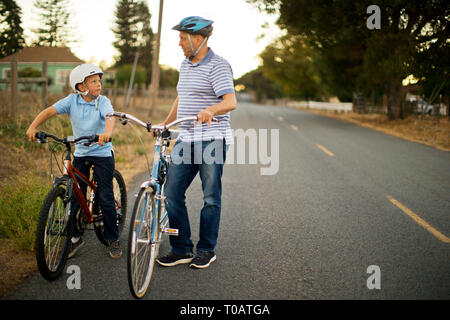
(39, 54)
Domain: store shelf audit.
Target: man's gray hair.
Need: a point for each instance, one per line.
(205, 32)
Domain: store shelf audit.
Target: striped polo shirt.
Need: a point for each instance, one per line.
(201, 85)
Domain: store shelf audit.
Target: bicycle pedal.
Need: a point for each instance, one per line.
(171, 231)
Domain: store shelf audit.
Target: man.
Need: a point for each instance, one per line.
(206, 90)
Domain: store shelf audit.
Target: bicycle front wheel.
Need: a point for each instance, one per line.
(53, 234)
(143, 242)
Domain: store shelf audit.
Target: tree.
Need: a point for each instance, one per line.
(354, 58)
(55, 30)
(263, 88)
(124, 73)
(169, 77)
(134, 34)
(290, 62)
(11, 33)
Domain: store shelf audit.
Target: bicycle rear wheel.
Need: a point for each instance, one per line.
(143, 242)
(53, 234)
(120, 198)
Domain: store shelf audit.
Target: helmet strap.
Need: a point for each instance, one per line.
(86, 92)
(194, 53)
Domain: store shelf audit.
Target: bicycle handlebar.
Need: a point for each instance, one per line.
(42, 136)
(148, 125)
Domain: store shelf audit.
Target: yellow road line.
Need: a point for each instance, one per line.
(294, 127)
(419, 220)
(328, 152)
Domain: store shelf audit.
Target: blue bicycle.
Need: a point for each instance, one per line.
(149, 219)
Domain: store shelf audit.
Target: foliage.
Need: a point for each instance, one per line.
(124, 72)
(134, 34)
(55, 29)
(168, 77)
(20, 203)
(11, 33)
(262, 87)
(290, 62)
(353, 59)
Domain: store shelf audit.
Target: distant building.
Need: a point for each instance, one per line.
(60, 62)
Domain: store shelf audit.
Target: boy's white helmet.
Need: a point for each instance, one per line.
(81, 72)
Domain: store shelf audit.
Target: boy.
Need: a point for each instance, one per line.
(87, 110)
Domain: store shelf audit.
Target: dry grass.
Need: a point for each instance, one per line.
(427, 131)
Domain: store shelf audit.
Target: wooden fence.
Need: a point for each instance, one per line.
(13, 82)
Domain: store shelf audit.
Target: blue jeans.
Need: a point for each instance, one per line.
(103, 174)
(179, 178)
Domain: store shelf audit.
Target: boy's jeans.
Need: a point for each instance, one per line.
(186, 162)
(103, 174)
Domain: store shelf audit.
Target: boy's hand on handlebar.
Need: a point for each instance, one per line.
(103, 138)
(31, 134)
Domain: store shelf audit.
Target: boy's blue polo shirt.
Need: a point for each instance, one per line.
(87, 120)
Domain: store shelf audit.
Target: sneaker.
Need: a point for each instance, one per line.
(203, 259)
(74, 247)
(172, 259)
(114, 249)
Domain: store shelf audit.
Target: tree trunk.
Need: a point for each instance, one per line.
(395, 100)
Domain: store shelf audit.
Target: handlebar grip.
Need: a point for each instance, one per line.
(96, 138)
(41, 136)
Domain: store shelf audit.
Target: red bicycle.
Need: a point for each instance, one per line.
(56, 220)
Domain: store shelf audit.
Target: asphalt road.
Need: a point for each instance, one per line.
(344, 199)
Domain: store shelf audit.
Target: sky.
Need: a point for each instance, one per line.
(236, 37)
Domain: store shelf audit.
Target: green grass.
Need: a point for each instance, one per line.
(21, 196)
(20, 203)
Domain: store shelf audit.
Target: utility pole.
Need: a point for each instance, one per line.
(131, 84)
(154, 89)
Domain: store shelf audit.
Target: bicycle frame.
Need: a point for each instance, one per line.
(72, 172)
(158, 160)
(159, 153)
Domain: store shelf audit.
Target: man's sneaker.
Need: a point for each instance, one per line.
(203, 259)
(74, 247)
(172, 259)
(114, 249)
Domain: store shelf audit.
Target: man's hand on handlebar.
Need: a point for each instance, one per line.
(205, 116)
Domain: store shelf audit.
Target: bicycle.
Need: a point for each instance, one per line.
(56, 221)
(149, 218)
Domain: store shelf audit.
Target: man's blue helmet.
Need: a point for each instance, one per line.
(192, 24)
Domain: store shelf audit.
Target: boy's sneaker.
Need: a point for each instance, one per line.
(203, 259)
(172, 259)
(74, 247)
(114, 249)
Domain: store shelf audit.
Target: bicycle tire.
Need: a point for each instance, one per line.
(143, 242)
(54, 224)
(120, 196)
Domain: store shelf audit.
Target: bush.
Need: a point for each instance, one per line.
(124, 74)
